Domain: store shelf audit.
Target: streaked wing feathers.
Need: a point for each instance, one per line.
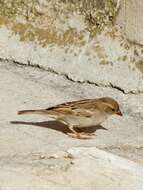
(83, 108)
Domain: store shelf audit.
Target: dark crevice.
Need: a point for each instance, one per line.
(51, 70)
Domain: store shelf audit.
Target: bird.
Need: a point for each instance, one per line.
(80, 113)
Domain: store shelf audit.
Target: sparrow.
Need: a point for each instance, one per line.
(81, 113)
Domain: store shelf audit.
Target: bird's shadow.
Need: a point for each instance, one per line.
(55, 125)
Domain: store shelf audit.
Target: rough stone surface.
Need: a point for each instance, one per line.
(55, 16)
(130, 18)
(37, 153)
(28, 88)
(72, 38)
(77, 60)
(107, 60)
(80, 168)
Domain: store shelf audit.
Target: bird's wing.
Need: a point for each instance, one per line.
(84, 108)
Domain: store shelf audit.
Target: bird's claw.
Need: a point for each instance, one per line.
(80, 135)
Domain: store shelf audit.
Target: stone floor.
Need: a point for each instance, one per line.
(34, 149)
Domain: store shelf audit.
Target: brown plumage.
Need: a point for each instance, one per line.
(81, 113)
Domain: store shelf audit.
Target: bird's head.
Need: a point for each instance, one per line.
(110, 106)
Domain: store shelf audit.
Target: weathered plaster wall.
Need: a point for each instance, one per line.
(131, 19)
(77, 39)
(57, 21)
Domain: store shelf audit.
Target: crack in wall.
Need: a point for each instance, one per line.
(51, 70)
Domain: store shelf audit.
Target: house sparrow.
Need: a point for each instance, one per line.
(81, 113)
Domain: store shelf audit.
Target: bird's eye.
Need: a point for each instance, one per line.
(113, 109)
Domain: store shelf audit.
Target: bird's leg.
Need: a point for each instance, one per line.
(74, 134)
(77, 135)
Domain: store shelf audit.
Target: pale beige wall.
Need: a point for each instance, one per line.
(131, 19)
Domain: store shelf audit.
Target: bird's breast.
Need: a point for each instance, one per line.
(84, 121)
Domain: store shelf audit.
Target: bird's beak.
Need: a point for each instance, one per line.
(119, 113)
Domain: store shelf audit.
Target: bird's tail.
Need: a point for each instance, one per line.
(42, 111)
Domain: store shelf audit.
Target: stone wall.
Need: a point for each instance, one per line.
(131, 19)
(77, 39)
(55, 16)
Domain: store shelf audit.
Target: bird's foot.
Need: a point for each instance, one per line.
(80, 135)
